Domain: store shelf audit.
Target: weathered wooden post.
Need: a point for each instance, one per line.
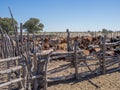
(103, 61)
(22, 57)
(35, 84)
(35, 64)
(46, 67)
(21, 32)
(102, 54)
(28, 75)
(4, 41)
(119, 60)
(68, 40)
(76, 59)
(15, 32)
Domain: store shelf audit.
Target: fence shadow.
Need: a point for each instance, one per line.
(88, 78)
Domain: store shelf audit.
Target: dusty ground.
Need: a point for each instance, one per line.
(102, 82)
(3, 78)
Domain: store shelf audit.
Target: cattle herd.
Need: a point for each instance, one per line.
(61, 43)
(24, 58)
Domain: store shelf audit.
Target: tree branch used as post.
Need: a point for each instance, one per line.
(104, 49)
(68, 40)
(75, 59)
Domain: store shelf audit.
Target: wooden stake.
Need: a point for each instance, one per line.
(119, 60)
(104, 49)
(68, 40)
(75, 59)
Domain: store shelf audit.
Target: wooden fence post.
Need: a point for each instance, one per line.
(102, 55)
(22, 57)
(119, 61)
(28, 87)
(46, 67)
(68, 40)
(21, 31)
(104, 49)
(76, 59)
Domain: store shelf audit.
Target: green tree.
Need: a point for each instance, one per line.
(88, 31)
(33, 25)
(99, 31)
(110, 31)
(105, 31)
(6, 24)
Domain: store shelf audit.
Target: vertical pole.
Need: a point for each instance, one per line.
(21, 28)
(4, 41)
(104, 49)
(21, 52)
(46, 67)
(35, 84)
(28, 63)
(76, 60)
(119, 60)
(68, 40)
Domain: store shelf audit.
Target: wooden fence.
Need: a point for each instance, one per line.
(30, 69)
(26, 79)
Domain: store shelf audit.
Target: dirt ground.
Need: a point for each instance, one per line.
(109, 81)
(104, 82)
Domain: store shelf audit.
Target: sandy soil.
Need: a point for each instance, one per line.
(102, 82)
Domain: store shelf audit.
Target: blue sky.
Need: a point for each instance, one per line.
(58, 15)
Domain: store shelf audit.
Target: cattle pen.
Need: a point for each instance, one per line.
(25, 59)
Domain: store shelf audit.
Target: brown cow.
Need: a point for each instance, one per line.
(62, 46)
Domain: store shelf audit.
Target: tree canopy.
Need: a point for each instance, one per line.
(6, 24)
(105, 31)
(33, 25)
